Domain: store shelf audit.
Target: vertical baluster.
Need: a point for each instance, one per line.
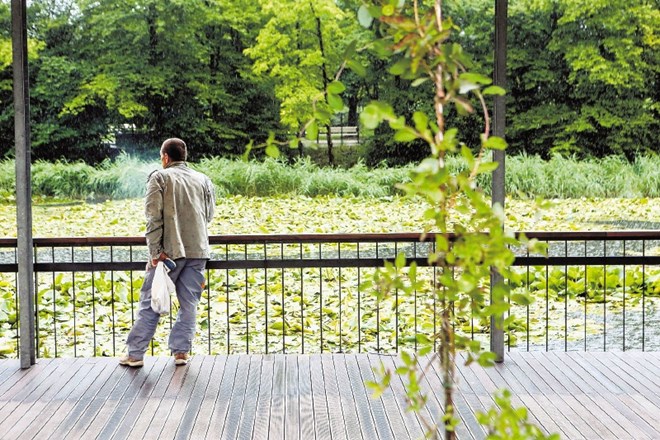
(52, 255)
(265, 293)
(73, 300)
(302, 302)
(340, 311)
(283, 302)
(415, 298)
(247, 318)
(643, 298)
(396, 306)
(527, 287)
(359, 302)
(566, 297)
(604, 297)
(321, 296)
(547, 303)
(624, 299)
(112, 302)
(209, 349)
(377, 314)
(227, 299)
(586, 296)
(94, 305)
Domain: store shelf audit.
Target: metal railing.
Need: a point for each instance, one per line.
(301, 294)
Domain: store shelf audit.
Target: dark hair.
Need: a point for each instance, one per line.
(176, 149)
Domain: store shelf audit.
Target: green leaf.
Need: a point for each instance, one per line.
(487, 167)
(388, 10)
(421, 121)
(335, 102)
(364, 16)
(400, 260)
(356, 67)
(474, 78)
(406, 134)
(336, 87)
(494, 90)
(273, 151)
(419, 81)
(495, 143)
(400, 67)
(312, 131)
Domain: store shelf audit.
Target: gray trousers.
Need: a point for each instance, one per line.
(188, 277)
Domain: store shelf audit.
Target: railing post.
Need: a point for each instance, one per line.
(499, 126)
(23, 184)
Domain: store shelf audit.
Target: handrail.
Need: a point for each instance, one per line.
(333, 237)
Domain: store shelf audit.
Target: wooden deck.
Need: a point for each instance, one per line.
(579, 395)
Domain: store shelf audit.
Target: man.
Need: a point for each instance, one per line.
(179, 204)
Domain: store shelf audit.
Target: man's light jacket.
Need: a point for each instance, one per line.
(179, 204)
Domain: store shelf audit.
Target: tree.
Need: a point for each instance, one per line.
(300, 47)
(470, 239)
(585, 77)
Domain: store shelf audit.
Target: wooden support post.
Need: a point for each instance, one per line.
(23, 184)
(499, 128)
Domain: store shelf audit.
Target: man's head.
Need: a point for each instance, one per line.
(173, 150)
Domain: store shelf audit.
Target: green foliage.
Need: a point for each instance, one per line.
(416, 42)
(508, 423)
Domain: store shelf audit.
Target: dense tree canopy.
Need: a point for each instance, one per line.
(583, 74)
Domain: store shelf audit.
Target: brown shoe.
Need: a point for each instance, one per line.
(181, 358)
(130, 362)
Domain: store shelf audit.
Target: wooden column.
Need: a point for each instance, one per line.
(23, 184)
(499, 128)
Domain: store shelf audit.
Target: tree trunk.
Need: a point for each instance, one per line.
(326, 81)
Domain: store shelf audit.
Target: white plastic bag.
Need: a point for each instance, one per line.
(161, 288)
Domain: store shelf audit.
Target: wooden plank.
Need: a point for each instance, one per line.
(591, 399)
(464, 399)
(559, 382)
(245, 384)
(31, 408)
(547, 416)
(205, 412)
(9, 367)
(30, 393)
(630, 403)
(180, 401)
(23, 381)
(230, 400)
(337, 426)
(606, 390)
(377, 408)
(432, 387)
(349, 405)
(174, 391)
(319, 402)
(550, 400)
(262, 422)
(277, 402)
(59, 426)
(248, 413)
(413, 425)
(129, 412)
(100, 411)
(307, 428)
(645, 372)
(219, 413)
(63, 403)
(388, 399)
(350, 369)
(171, 374)
(292, 424)
(196, 398)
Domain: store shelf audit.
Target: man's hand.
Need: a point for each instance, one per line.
(161, 257)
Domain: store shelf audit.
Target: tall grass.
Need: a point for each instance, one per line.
(526, 176)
